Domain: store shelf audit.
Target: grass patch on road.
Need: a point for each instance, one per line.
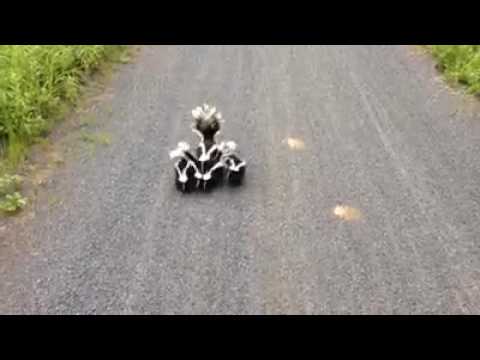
(39, 84)
(96, 138)
(460, 64)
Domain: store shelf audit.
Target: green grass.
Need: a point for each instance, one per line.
(460, 64)
(37, 84)
(96, 138)
(10, 198)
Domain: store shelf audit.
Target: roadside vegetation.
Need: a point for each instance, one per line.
(460, 64)
(38, 85)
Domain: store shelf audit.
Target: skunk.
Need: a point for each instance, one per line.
(235, 166)
(186, 168)
(207, 126)
(235, 170)
(210, 165)
(213, 177)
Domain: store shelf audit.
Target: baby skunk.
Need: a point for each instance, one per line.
(235, 166)
(210, 165)
(207, 126)
(235, 170)
(186, 168)
(213, 177)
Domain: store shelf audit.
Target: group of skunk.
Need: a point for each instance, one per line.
(212, 162)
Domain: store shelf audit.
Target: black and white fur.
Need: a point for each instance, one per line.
(213, 177)
(207, 126)
(212, 160)
(210, 165)
(186, 168)
(235, 166)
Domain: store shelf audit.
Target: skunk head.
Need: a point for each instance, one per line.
(228, 148)
(182, 147)
(231, 146)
